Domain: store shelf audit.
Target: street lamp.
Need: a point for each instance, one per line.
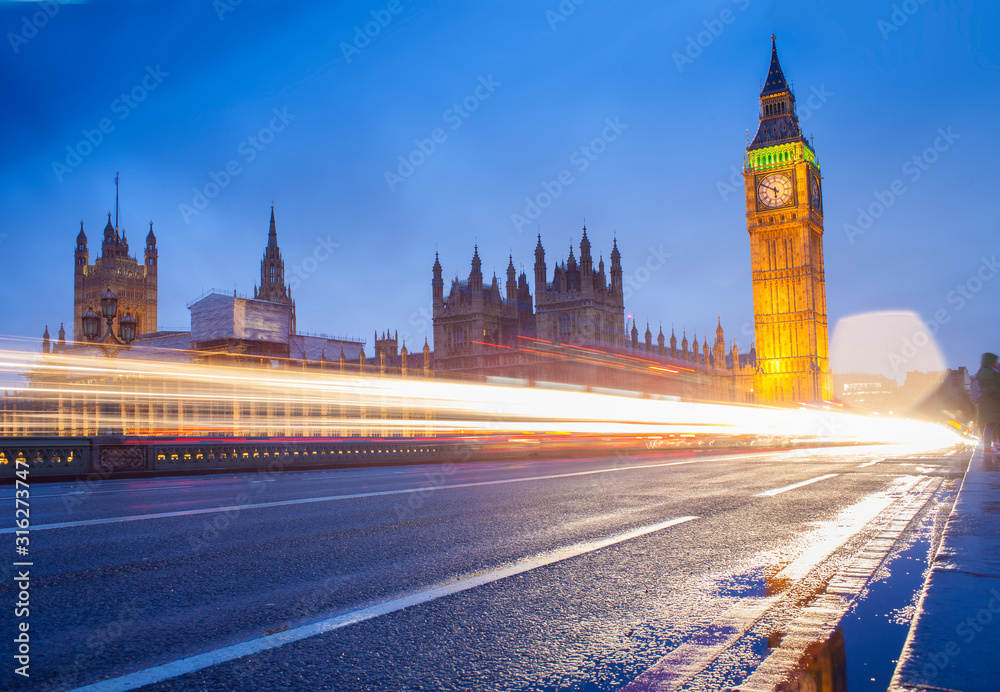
(91, 324)
(109, 343)
(126, 327)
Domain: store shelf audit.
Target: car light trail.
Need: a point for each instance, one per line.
(84, 395)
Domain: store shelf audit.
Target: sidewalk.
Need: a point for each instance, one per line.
(954, 641)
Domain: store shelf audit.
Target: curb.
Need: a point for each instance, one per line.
(952, 643)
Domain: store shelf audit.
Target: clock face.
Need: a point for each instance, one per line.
(775, 190)
(814, 193)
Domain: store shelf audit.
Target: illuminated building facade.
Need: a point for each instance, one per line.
(132, 282)
(784, 202)
(573, 333)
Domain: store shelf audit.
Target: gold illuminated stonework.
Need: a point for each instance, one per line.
(133, 282)
(785, 220)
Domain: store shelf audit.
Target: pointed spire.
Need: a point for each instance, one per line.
(81, 238)
(476, 275)
(775, 83)
(272, 234)
(151, 237)
(778, 121)
(437, 283)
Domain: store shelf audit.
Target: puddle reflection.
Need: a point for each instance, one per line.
(756, 583)
(822, 668)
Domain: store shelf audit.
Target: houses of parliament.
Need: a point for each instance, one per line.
(565, 327)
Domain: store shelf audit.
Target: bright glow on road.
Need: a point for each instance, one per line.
(83, 395)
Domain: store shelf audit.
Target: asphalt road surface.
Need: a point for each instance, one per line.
(656, 571)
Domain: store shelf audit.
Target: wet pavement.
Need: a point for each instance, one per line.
(953, 641)
(674, 571)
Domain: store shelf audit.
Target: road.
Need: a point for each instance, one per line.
(657, 571)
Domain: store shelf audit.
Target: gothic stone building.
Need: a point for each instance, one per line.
(572, 332)
(225, 327)
(581, 305)
(133, 283)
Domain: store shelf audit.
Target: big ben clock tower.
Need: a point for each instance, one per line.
(784, 198)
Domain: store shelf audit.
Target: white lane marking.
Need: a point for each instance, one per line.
(829, 536)
(692, 657)
(778, 491)
(870, 463)
(191, 664)
(689, 659)
(332, 498)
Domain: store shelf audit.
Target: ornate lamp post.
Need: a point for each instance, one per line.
(109, 343)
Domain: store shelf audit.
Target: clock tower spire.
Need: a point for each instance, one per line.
(785, 221)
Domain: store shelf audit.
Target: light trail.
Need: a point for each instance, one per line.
(85, 395)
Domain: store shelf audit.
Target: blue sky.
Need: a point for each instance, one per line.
(340, 98)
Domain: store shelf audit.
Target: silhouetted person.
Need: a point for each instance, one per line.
(989, 401)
